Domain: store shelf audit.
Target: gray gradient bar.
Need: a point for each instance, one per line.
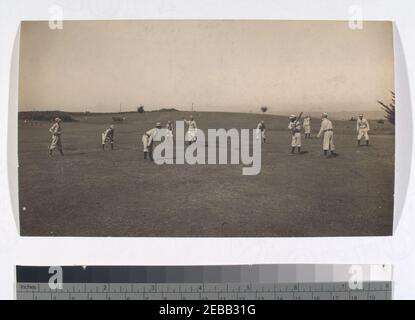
(283, 273)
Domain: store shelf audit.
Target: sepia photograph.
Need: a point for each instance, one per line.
(206, 128)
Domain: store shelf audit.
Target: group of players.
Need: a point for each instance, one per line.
(326, 132)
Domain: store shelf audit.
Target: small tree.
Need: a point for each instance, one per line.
(389, 109)
(140, 109)
(264, 109)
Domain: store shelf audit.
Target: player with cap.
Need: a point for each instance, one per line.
(260, 131)
(362, 129)
(326, 130)
(108, 136)
(191, 134)
(148, 139)
(56, 131)
(169, 127)
(295, 127)
(307, 127)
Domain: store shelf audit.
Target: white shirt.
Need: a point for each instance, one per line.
(294, 126)
(55, 129)
(362, 124)
(191, 124)
(260, 127)
(325, 125)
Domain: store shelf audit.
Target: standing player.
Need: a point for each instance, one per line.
(295, 127)
(108, 136)
(307, 127)
(362, 129)
(192, 131)
(326, 130)
(56, 131)
(169, 127)
(147, 140)
(260, 131)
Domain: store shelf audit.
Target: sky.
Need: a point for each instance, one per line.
(216, 65)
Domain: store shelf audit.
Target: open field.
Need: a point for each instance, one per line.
(89, 192)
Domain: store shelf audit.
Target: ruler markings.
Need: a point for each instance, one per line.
(204, 291)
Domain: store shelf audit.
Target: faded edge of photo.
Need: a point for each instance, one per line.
(12, 125)
(403, 130)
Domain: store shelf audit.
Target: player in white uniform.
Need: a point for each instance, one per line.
(169, 127)
(260, 131)
(108, 136)
(295, 127)
(362, 129)
(56, 131)
(147, 140)
(192, 131)
(326, 130)
(307, 127)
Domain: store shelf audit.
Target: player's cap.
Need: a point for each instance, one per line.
(361, 115)
(293, 116)
(112, 126)
(324, 115)
(58, 119)
(158, 125)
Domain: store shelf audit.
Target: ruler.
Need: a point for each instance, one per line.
(203, 291)
(137, 283)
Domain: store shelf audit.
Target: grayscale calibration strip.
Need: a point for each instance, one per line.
(231, 282)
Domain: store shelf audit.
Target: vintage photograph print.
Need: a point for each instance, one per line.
(206, 128)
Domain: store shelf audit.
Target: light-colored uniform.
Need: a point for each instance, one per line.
(260, 131)
(108, 136)
(295, 128)
(328, 137)
(307, 125)
(56, 137)
(362, 129)
(169, 127)
(192, 131)
(148, 139)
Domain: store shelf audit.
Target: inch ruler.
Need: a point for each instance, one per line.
(203, 291)
(245, 282)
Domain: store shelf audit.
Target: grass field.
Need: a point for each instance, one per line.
(89, 192)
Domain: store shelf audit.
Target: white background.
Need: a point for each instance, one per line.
(397, 250)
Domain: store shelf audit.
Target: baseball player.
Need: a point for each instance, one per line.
(307, 127)
(108, 136)
(192, 131)
(362, 129)
(295, 127)
(326, 130)
(169, 127)
(147, 140)
(56, 131)
(260, 131)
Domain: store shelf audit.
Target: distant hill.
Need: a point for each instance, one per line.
(46, 116)
(69, 116)
(165, 110)
(346, 115)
